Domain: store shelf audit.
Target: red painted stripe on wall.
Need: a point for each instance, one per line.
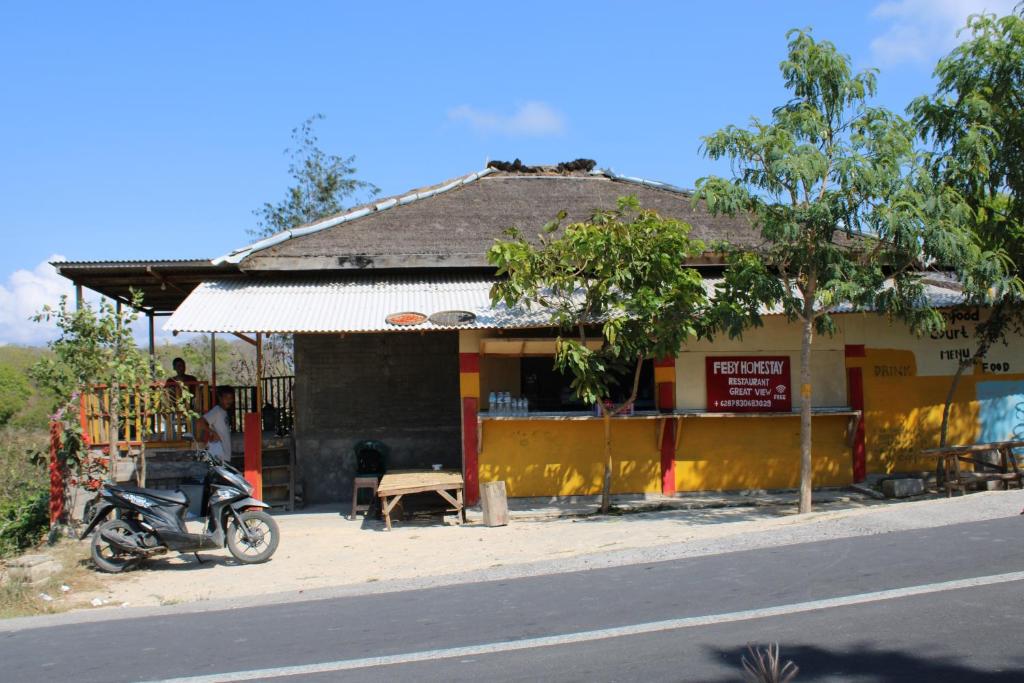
(855, 351)
(469, 362)
(470, 451)
(855, 385)
(666, 396)
(666, 403)
(254, 453)
(668, 459)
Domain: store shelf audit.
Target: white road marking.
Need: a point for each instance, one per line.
(599, 634)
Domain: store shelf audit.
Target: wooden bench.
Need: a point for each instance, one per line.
(398, 483)
(952, 476)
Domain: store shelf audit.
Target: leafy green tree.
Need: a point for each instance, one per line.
(974, 122)
(324, 185)
(14, 393)
(846, 212)
(621, 273)
(96, 356)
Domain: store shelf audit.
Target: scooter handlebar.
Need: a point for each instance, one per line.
(205, 456)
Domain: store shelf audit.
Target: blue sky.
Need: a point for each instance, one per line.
(152, 130)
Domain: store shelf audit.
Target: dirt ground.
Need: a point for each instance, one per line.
(324, 549)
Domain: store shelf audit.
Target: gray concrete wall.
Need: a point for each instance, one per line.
(400, 388)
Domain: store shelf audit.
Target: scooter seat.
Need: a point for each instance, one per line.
(162, 494)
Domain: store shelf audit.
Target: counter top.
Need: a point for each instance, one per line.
(849, 412)
(574, 415)
(655, 415)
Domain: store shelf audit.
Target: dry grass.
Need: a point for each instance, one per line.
(22, 600)
(765, 665)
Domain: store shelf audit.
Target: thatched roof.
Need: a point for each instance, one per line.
(455, 223)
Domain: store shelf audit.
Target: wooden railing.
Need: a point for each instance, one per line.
(138, 420)
(277, 392)
(162, 426)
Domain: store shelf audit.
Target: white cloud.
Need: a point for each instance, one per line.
(27, 291)
(530, 119)
(920, 31)
(23, 295)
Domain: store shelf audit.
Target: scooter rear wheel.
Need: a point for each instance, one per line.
(105, 556)
(265, 537)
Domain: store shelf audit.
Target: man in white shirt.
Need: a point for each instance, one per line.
(214, 431)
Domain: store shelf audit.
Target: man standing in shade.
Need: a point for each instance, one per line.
(214, 431)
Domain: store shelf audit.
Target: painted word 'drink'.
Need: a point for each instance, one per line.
(748, 384)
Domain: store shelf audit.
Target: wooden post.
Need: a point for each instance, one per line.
(469, 392)
(259, 378)
(665, 377)
(254, 429)
(114, 411)
(494, 502)
(470, 453)
(254, 453)
(855, 389)
(213, 361)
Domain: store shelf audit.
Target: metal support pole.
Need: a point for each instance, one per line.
(213, 361)
(78, 297)
(259, 377)
(152, 336)
(114, 407)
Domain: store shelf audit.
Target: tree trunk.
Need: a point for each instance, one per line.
(805, 409)
(988, 333)
(949, 404)
(606, 488)
(140, 470)
(606, 415)
(114, 402)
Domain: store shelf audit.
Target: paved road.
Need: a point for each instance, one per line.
(953, 610)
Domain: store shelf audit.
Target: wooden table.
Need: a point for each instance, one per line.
(950, 458)
(398, 483)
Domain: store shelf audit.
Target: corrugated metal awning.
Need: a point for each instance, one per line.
(364, 304)
(348, 305)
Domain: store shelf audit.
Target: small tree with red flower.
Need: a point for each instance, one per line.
(96, 356)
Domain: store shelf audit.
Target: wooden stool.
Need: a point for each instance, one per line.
(363, 483)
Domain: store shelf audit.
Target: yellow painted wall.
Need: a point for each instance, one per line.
(722, 454)
(903, 412)
(556, 458)
(906, 379)
(905, 383)
(469, 340)
(934, 354)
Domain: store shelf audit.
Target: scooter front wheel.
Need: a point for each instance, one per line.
(261, 541)
(107, 557)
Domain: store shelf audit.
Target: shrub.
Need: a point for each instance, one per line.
(23, 521)
(14, 393)
(24, 493)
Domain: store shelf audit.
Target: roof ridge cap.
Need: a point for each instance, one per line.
(654, 184)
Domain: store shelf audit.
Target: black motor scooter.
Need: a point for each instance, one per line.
(149, 522)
